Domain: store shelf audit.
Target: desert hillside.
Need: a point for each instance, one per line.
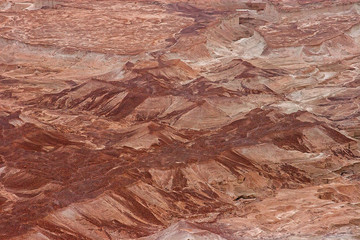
(179, 119)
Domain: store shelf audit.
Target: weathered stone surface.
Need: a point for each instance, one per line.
(179, 119)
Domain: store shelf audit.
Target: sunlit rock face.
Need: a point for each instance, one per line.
(177, 119)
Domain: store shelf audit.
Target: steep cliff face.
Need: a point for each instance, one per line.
(179, 119)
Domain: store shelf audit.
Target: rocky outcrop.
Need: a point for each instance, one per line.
(179, 119)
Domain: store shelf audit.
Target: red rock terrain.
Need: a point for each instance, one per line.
(174, 119)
